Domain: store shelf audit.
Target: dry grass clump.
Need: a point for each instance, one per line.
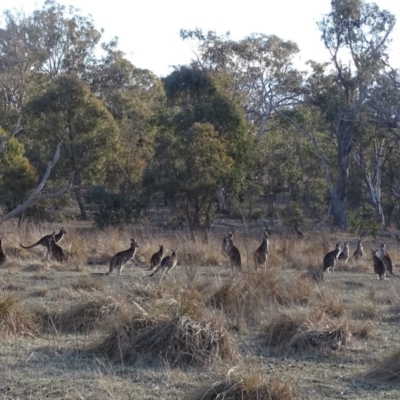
(83, 317)
(14, 288)
(87, 284)
(246, 298)
(330, 303)
(180, 340)
(386, 371)
(14, 319)
(365, 311)
(249, 385)
(304, 330)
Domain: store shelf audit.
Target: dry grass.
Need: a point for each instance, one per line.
(182, 340)
(14, 319)
(249, 385)
(306, 330)
(88, 284)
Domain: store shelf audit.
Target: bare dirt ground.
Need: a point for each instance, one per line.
(54, 355)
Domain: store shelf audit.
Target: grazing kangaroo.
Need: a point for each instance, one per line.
(232, 251)
(379, 265)
(261, 254)
(384, 256)
(119, 260)
(3, 257)
(157, 257)
(44, 241)
(167, 263)
(331, 257)
(54, 250)
(344, 255)
(359, 251)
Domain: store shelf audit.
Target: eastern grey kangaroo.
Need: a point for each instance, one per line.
(344, 255)
(167, 263)
(261, 254)
(119, 260)
(379, 265)
(44, 240)
(232, 251)
(54, 250)
(331, 257)
(359, 251)
(384, 256)
(157, 257)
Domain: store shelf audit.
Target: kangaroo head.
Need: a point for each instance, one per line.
(134, 244)
(266, 235)
(161, 246)
(374, 252)
(63, 231)
(382, 245)
(337, 247)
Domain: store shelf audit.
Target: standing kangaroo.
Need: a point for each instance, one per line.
(359, 251)
(331, 257)
(44, 241)
(54, 250)
(157, 257)
(3, 257)
(384, 256)
(261, 254)
(379, 265)
(119, 260)
(344, 255)
(232, 251)
(167, 263)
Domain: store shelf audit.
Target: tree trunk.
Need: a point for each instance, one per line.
(78, 198)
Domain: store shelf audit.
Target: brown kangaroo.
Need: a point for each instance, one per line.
(44, 241)
(261, 254)
(359, 251)
(167, 263)
(379, 265)
(157, 257)
(232, 251)
(119, 260)
(3, 257)
(54, 250)
(331, 257)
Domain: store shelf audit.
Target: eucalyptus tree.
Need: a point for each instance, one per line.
(257, 72)
(70, 114)
(356, 34)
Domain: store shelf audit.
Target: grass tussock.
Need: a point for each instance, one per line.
(82, 317)
(248, 297)
(249, 385)
(181, 340)
(386, 371)
(307, 330)
(14, 319)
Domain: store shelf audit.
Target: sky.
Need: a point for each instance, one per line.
(148, 30)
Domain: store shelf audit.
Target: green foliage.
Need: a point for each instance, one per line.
(292, 215)
(364, 219)
(17, 176)
(113, 209)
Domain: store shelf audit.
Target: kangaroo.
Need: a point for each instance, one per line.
(3, 257)
(384, 256)
(379, 265)
(54, 250)
(232, 251)
(225, 242)
(167, 263)
(359, 251)
(157, 257)
(331, 257)
(261, 254)
(119, 260)
(44, 241)
(344, 255)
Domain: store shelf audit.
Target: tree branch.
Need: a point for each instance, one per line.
(33, 199)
